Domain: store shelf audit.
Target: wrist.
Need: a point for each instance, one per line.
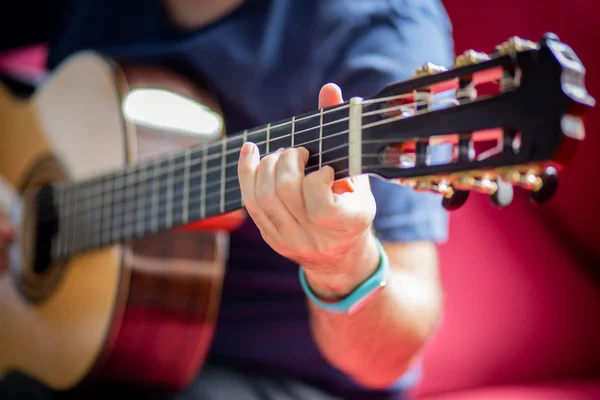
(333, 282)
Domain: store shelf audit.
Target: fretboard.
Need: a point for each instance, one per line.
(187, 186)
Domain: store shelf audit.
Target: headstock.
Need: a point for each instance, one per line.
(505, 119)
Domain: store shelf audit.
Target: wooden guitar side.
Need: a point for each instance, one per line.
(141, 312)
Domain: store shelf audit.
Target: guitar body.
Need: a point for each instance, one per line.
(143, 311)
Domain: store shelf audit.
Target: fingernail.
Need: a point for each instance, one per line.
(280, 150)
(247, 149)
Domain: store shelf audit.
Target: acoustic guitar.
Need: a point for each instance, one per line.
(123, 224)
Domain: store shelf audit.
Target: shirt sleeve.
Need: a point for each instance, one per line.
(383, 46)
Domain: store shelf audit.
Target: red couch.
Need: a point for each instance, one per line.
(522, 284)
(522, 287)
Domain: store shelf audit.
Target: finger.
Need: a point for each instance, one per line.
(288, 183)
(319, 197)
(343, 186)
(330, 95)
(265, 192)
(247, 167)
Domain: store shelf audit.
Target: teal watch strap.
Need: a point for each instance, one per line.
(355, 300)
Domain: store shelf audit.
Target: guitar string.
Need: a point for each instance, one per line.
(333, 149)
(234, 189)
(125, 201)
(175, 167)
(212, 210)
(205, 147)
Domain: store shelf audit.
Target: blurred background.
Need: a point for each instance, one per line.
(522, 284)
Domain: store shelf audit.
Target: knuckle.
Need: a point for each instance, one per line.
(287, 184)
(264, 196)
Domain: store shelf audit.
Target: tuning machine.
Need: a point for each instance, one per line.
(515, 45)
(500, 192)
(542, 185)
(470, 57)
(429, 69)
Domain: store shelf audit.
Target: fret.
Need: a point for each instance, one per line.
(186, 187)
(307, 136)
(118, 208)
(141, 194)
(178, 184)
(204, 180)
(130, 203)
(164, 196)
(293, 133)
(223, 174)
(60, 203)
(268, 140)
(196, 177)
(320, 138)
(169, 207)
(259, 137)
(213, 179)
(98, 195)
(245, 135)
(155, 196)
(88, 216)
(333, 140)
(233, 197)
(281, 135)
(70, 234)
(107, 215)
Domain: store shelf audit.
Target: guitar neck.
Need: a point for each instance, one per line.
(186, 186)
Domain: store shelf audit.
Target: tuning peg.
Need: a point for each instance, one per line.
(503, 195)
(429, 69)
(452, 199)
(542, 185)
(514, 45)
(470, 57)
(500, 192)
(548, 186)
(455, 200)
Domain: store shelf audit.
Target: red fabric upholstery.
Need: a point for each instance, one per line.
(551, 391)
(521, 297)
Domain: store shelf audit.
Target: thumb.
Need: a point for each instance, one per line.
(330, 95)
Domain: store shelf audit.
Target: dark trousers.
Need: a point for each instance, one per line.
(215, 383)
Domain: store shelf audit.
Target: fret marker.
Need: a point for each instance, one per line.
(355, 136)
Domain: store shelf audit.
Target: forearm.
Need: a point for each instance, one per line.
(381, 341)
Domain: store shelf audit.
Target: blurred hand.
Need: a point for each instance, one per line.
(310, 219)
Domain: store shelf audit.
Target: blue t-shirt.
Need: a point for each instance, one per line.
(266, 61)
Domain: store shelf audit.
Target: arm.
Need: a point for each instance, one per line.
(333, 237)
(378, 344)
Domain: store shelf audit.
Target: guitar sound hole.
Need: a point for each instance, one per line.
(45, 230)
